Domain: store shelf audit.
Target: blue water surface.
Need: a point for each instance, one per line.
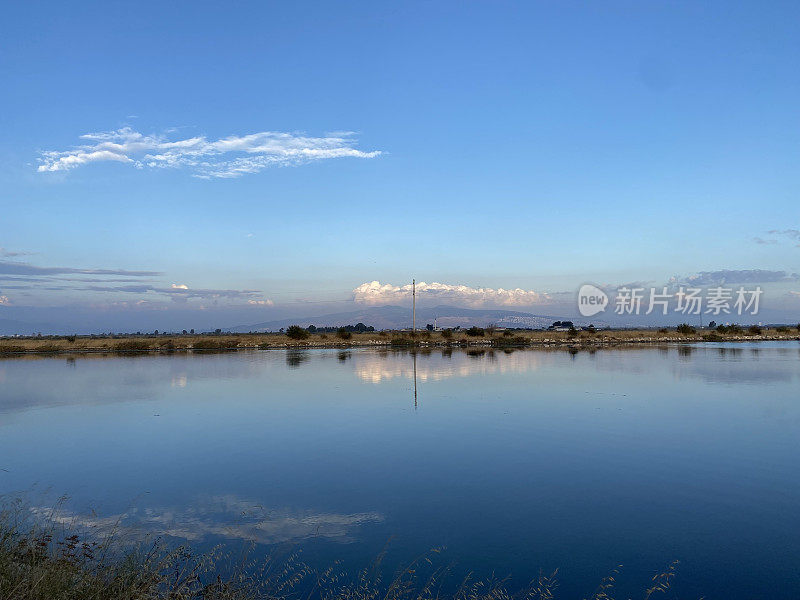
(513, 461)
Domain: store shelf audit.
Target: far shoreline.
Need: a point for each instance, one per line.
(479, 338)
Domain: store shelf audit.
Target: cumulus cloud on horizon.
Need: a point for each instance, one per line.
(226, 157)
(375, 293)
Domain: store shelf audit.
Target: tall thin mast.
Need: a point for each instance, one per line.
(414, 305)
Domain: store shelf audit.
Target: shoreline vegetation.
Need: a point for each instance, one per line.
(451, 338)
(52, 561)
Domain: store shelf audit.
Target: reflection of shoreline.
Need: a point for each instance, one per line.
(729, 363)
(101, 381)
(220, 516)
(61, 382)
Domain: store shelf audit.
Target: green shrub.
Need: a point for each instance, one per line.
(295, 332)
(686, 329)
(713, 337)
(447, 333)
(754, 330)
(475, 332)
(734, 329)
(782, 329)
(343, 334)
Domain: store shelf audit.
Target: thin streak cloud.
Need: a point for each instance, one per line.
(729, 276)
(791, 234)
(6, 253)
(177, 291)
(8, 267)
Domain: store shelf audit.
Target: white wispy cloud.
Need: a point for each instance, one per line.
(227, 157)
(375, 292)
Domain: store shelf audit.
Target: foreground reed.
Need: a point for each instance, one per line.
(44, 561)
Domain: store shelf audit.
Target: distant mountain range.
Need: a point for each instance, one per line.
(13, 327)
(399, 317)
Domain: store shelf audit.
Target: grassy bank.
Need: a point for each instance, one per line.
(452, 338)
(48, 562)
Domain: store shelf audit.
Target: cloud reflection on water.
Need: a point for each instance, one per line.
(379, 367)
(225, 516)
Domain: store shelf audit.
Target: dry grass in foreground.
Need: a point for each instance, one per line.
(49, 562)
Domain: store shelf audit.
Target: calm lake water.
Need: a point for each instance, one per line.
(513, 461)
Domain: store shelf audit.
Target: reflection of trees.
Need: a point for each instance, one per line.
(733, 352)
(735, 365)
(295, 358)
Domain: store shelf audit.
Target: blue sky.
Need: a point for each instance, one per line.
(531, 145)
